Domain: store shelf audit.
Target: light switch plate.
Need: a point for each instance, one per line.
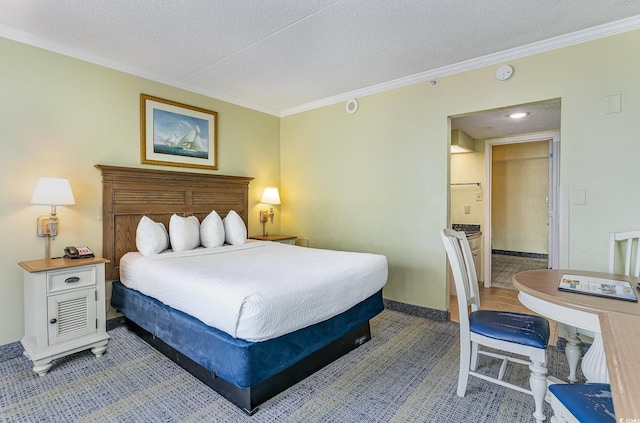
(614, 103)
(579, 197)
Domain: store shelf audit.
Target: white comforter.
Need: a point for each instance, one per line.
(258, 290)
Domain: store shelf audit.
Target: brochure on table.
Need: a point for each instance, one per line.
(601, 287)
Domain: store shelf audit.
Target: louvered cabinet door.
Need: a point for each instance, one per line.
(71, 315)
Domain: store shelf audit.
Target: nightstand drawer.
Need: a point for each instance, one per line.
(71, 278)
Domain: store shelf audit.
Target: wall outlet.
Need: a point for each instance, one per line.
(467, 209)
(479, 196)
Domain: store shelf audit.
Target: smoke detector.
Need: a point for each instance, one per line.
(504, 73)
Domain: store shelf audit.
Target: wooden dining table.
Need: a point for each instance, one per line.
(614, 355)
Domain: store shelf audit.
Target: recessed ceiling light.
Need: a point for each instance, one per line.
(518, 115)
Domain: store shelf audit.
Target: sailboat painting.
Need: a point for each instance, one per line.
(175, 134)
(179, 135)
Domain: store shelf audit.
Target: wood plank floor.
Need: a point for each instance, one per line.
(500, 299)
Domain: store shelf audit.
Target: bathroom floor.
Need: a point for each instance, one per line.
(503, 267)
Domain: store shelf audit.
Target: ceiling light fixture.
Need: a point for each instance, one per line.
(518, 115)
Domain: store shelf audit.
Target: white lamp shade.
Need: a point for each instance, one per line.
(270, 196)
(53, 192)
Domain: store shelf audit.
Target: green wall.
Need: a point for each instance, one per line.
(59, 117)
(378, 180)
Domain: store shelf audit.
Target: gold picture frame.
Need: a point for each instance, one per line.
(176, 134)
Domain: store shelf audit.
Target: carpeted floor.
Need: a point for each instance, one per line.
(503, 267)
(406, 373)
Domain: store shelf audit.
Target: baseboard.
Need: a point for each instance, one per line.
(521, 254)
(418, 311)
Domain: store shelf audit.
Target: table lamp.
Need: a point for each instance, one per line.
(51, 192)
(271, 197)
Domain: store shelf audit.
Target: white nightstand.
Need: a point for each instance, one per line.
(64, 309)
(283, 239)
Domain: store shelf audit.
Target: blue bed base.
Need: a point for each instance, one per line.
(246, 373)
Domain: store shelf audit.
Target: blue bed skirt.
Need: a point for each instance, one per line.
(240, 362)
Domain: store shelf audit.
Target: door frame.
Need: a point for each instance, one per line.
(554, 192)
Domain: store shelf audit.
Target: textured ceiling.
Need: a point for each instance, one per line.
(542, 116)
(280, 55)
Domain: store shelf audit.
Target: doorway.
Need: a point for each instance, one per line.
(471, 190)
(521, 231)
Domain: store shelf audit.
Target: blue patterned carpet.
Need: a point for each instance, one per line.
(406, 373)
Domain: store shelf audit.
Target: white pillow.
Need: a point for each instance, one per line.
(184, 232)
(151, 237)
(212, 231)
(234, 230)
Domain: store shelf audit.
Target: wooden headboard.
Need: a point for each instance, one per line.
(130, 193)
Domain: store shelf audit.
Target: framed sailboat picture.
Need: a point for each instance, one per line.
(175, 134)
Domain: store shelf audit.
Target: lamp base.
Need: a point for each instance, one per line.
(264, 216)
(47, 227)
(47, 247)
(43, 225)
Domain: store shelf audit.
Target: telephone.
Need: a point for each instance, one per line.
(78, 252)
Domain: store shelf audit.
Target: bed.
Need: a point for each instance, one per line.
(245, 367)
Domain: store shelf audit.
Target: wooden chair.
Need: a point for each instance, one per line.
(619, 242)
(629, 241)
(582, 403)
(592, 402)
(516, 333)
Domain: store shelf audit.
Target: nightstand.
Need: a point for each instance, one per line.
(283, 239)
(64, 309)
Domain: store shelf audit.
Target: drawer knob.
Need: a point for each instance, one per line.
(72, 279)
(53, 321)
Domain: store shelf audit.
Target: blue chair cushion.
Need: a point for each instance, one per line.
(519, 328)
(588, 402)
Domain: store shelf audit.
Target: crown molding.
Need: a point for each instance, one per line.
(86, 56)
(554, 43)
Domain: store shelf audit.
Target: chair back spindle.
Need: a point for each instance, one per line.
(629, 242)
